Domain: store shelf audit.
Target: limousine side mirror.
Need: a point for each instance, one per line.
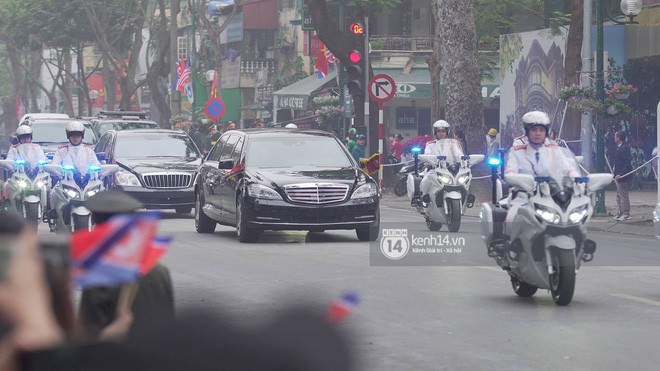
(226, 164)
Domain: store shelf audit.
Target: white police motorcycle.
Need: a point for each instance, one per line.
(547, 239)
(30, 188)
(71, 192)
(442, 193)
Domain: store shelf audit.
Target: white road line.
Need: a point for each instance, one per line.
(638, 299)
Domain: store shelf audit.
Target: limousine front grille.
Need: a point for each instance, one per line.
(316, 193)
(167, 180)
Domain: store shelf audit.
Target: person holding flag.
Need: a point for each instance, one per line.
(110, 310)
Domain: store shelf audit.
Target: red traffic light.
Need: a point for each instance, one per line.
(357, 28)
(355, 56)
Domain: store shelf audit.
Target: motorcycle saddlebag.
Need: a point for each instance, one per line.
(492, 222)
(413, 185)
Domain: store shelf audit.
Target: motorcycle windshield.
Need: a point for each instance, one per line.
(562, 172)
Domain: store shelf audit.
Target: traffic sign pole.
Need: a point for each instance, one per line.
(381, 89)
(380, 148)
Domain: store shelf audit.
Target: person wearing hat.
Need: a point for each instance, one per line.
(359, 148)
(231, 126)
(492, 142)
(350, 139)
(98, 306)
(258, 124)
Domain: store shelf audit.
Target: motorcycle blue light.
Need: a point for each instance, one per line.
(94, 168)
(43, 162)
(19, 162)
(415, 150)
(494, 161)
(68, 167)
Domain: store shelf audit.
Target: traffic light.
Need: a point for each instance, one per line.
(355, 70)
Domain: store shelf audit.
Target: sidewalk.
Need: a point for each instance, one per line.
(642, 204)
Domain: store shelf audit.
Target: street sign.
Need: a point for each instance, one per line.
(215, 108)
(307, 21)
(382, 88)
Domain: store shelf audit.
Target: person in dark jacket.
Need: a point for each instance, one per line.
(154, 297)
(622, 166)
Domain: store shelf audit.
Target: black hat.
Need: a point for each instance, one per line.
(112, 202)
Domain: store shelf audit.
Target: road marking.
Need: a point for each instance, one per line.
(638, 299)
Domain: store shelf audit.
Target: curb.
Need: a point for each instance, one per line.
(626, 228)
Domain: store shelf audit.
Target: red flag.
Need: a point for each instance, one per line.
(341, 309)
(214, 86)
(322, 62)
(153, 254)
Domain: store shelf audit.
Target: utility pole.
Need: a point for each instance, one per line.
(587, 120)
(600, 96)
(193, 60)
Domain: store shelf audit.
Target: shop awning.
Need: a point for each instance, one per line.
(296, 96)
(417, 84)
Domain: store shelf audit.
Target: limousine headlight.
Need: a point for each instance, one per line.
(364, 191)
(263, 192)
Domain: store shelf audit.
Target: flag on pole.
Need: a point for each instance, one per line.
(329, 56)
(116, 252)
(371, 164)
(214, 86)
(321, 63)
(183, 74)
(20, 108)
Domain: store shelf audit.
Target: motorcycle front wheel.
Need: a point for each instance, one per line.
(32, 213)
(562, 281)
(80, 222)
(454, 215)
(401, 187)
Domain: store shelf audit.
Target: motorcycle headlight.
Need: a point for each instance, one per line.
(41, 184)
(263, 192)
(22, 184)
(656, 215)
(444, 179)
(578, 214)
(93, 191)
(365, 191)
(71, 192)
(463, 179)
(126, 178)
(548, 215)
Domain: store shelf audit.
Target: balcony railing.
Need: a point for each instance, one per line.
(250, 66)
(401, 43)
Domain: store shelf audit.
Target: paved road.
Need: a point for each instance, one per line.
(432, 318)
(463, 316)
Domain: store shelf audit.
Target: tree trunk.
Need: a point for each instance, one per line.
(435, 67)
(462, 76)
(573, 66)
(109, 82)
(68, 94)
(158, 69)
(35, 67)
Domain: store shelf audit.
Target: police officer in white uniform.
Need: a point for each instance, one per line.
(441, 146)
(75, 153)
(27, 151)
(535, 154)
(30, 152)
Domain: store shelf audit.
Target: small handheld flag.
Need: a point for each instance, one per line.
(342, 308)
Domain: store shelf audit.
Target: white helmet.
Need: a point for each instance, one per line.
(534, 118)
(291, 126)
(75, 127)
(440, 125)
(23, 130)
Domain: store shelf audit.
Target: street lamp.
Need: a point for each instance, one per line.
(630, 8)
(93, 95)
